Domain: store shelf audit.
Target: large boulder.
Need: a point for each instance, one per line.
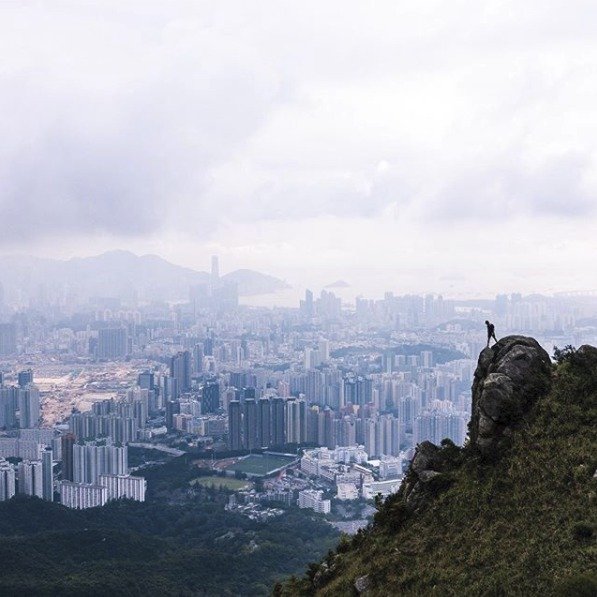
(510, 377)
(429, 473)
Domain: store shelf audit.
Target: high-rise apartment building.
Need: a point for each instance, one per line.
(264, 422)
(112, 343)
(31, 478)
(92, 460)
(7, 480)
(250, 437)
(8, 407)
(29, 408)
(180, 370)
(68, 444)
(278, 422)
(210, 398)
(47, 471)
(234, 425)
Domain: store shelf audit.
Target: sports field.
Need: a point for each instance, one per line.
(260, 464)
(227, 482)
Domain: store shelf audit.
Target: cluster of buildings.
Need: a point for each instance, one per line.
(352, 474)
(372, 380)
(91, 470)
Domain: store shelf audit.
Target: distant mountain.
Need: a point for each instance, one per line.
(251, 283)
(339, 284)
(118, 274)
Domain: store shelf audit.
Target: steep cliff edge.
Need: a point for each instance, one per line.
(512, 513)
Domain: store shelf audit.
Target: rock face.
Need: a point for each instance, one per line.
(510, 376)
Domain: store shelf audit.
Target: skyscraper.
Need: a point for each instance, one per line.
(250, 425)
(112, 343)
(8, 407)
(29, 410)
(264, 423)
(296, 421)
(234, 425)
(47, 472)
(146, 380)
(180, 370)
(210, 402)
(91, 460)
(68, 443)
(31, 478)
(7, 480)
(198, 356)
(278, 422)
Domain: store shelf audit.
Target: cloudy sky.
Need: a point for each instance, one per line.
(441, 146)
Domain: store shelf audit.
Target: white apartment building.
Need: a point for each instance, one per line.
(124, 486)
(82, 495)
(313, 499)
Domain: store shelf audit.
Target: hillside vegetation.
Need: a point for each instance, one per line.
(522, 524)
(127, 548)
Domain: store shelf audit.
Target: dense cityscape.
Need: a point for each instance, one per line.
(319, 406)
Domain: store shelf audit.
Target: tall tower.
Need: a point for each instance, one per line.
(234, 425)
(29, 410)
(180, 369)
(47, 475)
(250, 424)
(68, 443)
(264, 423)
(278, 422)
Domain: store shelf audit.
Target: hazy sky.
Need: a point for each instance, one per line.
(447, 146)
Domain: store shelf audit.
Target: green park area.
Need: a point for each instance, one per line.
(225, 482)
(260, 465)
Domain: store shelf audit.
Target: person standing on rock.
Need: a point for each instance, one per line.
(490, 332)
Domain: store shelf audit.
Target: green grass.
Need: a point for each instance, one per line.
(226, 482)
(526, 525)
(256, 464)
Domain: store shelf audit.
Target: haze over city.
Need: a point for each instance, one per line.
(407, 146)
(298, 298)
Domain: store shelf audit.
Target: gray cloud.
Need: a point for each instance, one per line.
(91, 145)
(508, 187)
(134, 120)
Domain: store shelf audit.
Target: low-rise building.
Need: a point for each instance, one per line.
(385, 488)
(347, 491)
(313, 499)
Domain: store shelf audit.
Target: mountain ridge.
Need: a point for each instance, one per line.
(120, 274)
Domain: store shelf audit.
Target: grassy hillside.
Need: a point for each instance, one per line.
(525, 525)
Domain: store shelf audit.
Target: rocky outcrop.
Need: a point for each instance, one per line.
(429, 473)
(510, 377)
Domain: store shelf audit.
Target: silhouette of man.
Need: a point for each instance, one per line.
(490, 332)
